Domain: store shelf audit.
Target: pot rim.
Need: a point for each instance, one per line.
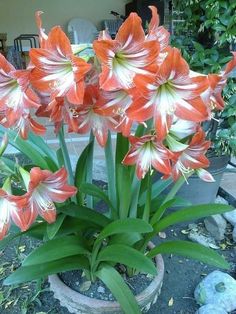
(55, 280)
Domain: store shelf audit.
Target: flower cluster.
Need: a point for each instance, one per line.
(136, 78)
(43, 188)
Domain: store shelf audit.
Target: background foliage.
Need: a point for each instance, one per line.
(210, 27)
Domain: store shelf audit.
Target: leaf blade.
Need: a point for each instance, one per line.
(128, 256)
(28, 273)
(119, 289)
(47, 252)
(191, 250)
(191, 213)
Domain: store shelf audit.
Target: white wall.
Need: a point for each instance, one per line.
(17, 16)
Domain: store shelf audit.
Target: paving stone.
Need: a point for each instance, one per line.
(211, 309)
(234, 234)
(216, 226)
(217, 288)
(231, 217)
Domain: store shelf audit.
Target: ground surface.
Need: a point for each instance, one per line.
(181, 278)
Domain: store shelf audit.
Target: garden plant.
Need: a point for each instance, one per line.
(138, 88)
(205, 36)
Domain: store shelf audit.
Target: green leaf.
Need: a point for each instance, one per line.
(160, 211)
(39, 141)
(122, 147)
(72, 225)
(29, 148)
(119, 289)
(94, 190)
(191, 213)
(56, 249)
(191, 250)
(127, 225)
(28, 273)
(135, 190)
(126, 238)
(157, 188)
(52, 229)
(85, 213)
(80, 171)
(60, 157)
(128, 256)
(123, 189)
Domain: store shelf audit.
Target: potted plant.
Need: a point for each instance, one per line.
(210, 26)
(141, 89)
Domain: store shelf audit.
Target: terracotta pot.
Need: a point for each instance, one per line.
(81, 304)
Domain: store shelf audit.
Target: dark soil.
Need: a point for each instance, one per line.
(98, 290)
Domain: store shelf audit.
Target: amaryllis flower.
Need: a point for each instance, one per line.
(44, 188)
(11, 209)
(90, 117)
(183, 128)
(26, 123)
(193, 157)
(157, 32)
(57, 71)
(171, 92)
(16, 94)
(147, 152)
(42, 35)
(115, 104)
(125, 56)
(218, 83)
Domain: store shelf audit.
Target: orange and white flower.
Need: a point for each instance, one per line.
(115, 104)
(90, 117)
(125, 56)
(147, 152)
(16, 95)
(216, 99)
(157, 32)
(11, 209)
(44, 188)
(57, 71)
(171, 92)
(193, 158)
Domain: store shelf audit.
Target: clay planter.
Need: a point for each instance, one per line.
(81, 304)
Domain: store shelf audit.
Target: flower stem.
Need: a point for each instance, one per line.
(66, 156)
(89, 170)
(110, 171)
(147, 208)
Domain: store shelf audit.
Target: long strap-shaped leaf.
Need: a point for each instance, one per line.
(81, 167)
(126, 255)
(56, 249)
(191, 213)
(28, 273)
(94, 190)
(85, 213)
(157, 188)
(119, 289)
(191, 250)
(39, 141)
(31, 150)
(123, 179)
(127, 225)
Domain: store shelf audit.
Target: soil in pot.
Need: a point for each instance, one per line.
(98, 290)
